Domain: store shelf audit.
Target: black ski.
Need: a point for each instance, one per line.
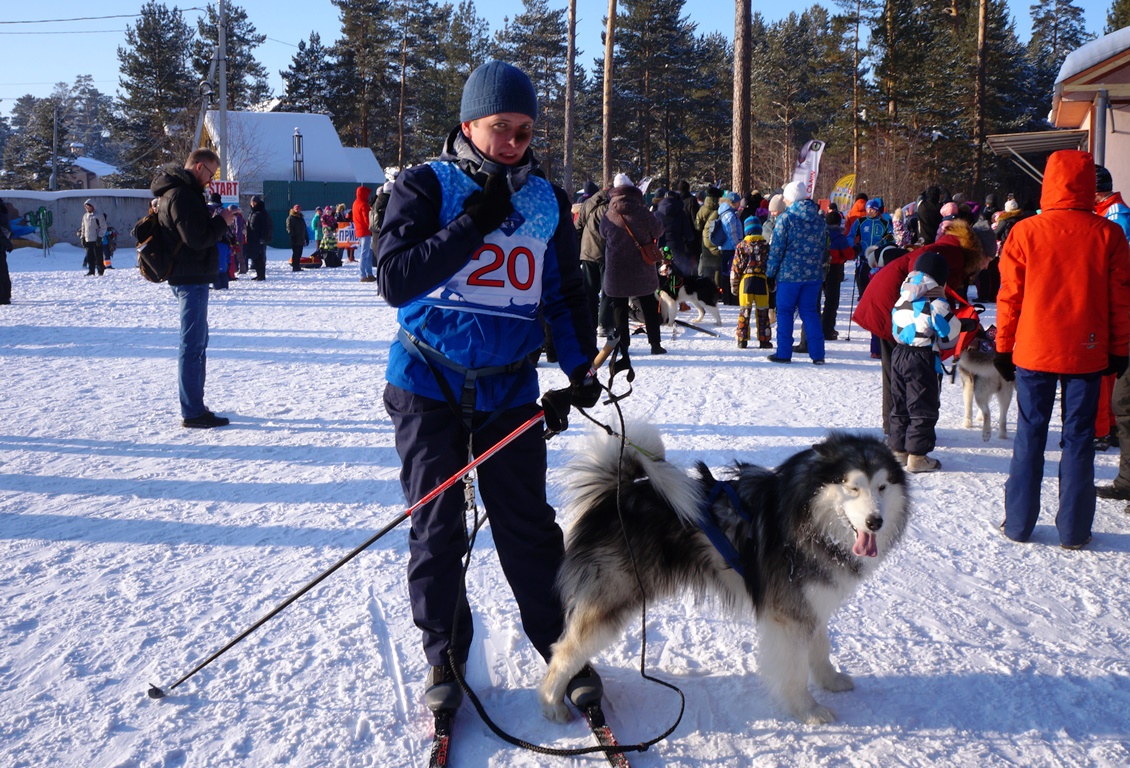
(594, 716)
(441, 744)
(698, 328)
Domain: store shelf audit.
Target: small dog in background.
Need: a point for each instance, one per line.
(675, 289)
(980, 381)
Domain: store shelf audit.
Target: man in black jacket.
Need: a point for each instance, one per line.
(191, 228)
(258, 234)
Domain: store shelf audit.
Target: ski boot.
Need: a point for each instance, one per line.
(585, 689)
(441, 689)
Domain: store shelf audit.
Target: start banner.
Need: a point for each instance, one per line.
(229, 190)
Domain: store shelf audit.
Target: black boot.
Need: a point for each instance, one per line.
(441, 689)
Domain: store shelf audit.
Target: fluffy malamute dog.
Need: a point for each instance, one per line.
(807, 535)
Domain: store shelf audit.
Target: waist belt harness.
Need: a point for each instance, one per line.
(464, 405)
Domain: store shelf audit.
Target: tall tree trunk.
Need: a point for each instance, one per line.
(979, 100)
(741, 106)
(892, 105)
(403, 99)
(570, 86)
(855, 96)
(609, 40)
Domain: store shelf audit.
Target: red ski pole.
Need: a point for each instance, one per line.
(158, 693)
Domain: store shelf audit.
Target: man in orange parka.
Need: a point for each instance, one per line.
(1063, 315)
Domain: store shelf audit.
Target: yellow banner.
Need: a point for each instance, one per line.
(843, 192)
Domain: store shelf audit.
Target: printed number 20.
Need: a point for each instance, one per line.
(498, 260)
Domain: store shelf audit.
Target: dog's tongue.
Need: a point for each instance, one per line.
(865, 544)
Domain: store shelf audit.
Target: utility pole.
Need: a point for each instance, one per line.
(223, 60)
(570, 98)
(53, 183)
(609, 39)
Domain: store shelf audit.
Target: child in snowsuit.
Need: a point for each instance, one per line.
(923, 324)
(749, 283)
(873, 231)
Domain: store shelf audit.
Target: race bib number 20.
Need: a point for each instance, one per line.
(503, 277)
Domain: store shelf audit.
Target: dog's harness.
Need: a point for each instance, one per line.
(710, 527)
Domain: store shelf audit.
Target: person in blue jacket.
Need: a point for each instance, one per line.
(475, 249)
(876, 230)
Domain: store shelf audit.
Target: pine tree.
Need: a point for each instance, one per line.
(1057, 29)
(656, 71)
(1118, 16)
(419, 58)
(246, 77)
(305, 81)
(366, 92)
(534, 41)
(87, 113)
(28, 153)
(158, 103)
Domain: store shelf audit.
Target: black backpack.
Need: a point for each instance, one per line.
(155, 259)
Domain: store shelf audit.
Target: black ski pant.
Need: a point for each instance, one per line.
(5, 278)
(832, 282)
(93, 260)
(915, 399)
(432, 443)
(621, 312)
(257, 254)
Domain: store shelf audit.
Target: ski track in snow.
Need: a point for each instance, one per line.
(134, 549)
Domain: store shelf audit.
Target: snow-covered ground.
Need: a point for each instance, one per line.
(133, 548)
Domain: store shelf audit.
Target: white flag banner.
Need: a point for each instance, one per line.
(808, 164)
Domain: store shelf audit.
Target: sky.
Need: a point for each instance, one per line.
(33, 57)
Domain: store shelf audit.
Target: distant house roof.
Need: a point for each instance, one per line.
(364, 163)
(1102, 64)
(97, 167)
(261, 148)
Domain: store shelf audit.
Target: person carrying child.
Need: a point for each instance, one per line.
(749, 283)
(923, 324)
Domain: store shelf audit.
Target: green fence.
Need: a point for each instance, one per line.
(280, 196)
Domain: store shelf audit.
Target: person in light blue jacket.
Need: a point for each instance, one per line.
(798, 258)
(732, 225)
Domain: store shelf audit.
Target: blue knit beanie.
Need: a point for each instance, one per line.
(497, 87)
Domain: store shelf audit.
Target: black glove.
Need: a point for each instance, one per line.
(1002, 361)
(555, 404)
(585, 389)
(969, 323)
(490, 207)
(1117, 365)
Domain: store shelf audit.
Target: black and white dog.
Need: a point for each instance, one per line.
(676, 288)
(805, 536)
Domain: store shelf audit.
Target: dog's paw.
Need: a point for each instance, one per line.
(818, 715)
(553, 705)
(556, 713)
(811, 712)
(838, 683)
(986, 434)
(967, 423)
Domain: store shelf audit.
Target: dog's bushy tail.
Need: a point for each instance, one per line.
(594, 471)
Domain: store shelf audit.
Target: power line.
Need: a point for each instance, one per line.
(66, 32)
(284, 42)
(85, 18)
